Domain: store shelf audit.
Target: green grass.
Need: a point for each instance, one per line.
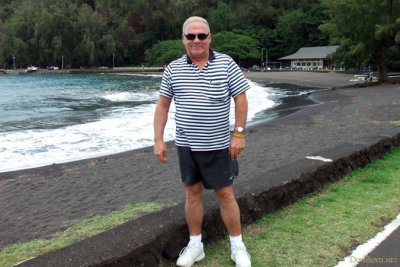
(321, 229)
(81, 229)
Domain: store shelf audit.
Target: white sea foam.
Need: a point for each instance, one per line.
(130, 96)
(120, 130)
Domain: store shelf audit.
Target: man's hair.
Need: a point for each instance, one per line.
(195, 19)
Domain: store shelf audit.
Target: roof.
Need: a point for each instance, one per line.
(312, 52)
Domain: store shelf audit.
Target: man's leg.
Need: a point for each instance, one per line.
(194, 208)
(230, 214)
(194, 251)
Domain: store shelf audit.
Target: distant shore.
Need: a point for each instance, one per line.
(302, 78)
(86, 70)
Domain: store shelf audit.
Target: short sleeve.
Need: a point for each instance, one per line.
(165, 87)
(237, 82)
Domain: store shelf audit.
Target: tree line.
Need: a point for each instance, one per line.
(96, 32)
(105, 32)
(368, 32)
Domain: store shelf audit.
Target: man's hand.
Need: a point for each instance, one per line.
(160, 151)
(236, 147)
(160, 119)
(237, 141)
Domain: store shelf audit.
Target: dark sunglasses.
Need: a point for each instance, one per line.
(200, 36)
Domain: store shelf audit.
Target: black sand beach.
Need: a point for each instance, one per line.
(37, 202)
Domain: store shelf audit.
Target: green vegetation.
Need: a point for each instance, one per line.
(368, 33)
(80, 230)
(96, 32)
(92, 33)
(238, 46)
(323, 228)
(166, 51)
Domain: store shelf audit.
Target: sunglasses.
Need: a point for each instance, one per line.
(200, 36)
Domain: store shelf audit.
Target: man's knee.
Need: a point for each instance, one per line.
(194, 192)
(225, 194)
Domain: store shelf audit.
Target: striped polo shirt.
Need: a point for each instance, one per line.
(202, 99)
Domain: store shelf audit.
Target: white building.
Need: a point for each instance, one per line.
(311, 58)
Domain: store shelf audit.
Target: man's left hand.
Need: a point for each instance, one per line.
(236, 147)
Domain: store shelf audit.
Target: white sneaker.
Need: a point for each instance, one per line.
(241, 257)
(190, 254)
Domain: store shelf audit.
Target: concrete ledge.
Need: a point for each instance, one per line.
(146, 240)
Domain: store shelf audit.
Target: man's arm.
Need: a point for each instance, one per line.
(237, 140)
(241, 107)
(160, 120)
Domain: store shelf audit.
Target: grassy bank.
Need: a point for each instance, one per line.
(321, 229)
(80, 230)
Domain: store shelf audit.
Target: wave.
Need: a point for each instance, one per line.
(130, 96)
(101, 123)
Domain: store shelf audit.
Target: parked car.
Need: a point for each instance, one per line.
(30, 69)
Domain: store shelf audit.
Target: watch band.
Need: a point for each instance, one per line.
(238, 135)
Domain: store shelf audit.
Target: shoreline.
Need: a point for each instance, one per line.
(289, 105)
(144, 70)
(280, 79)
(40, 201)
(284, 106)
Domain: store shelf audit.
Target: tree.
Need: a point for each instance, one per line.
(295, 29)
(366, 31)
(238, 46)
(91, 32)
(92, 44)
(221, 18)
(164, 52)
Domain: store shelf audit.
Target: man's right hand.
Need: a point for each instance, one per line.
(160, 151)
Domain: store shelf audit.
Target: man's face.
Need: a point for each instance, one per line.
(196, 48)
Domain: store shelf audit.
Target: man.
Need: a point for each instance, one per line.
(202, 83)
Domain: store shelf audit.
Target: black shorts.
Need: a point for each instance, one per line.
(215, 169)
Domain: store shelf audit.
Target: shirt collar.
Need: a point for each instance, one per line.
(211, 57)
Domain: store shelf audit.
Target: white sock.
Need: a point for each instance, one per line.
(236, 241)
(195, 239)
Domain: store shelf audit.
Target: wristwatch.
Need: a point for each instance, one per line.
(239, 129)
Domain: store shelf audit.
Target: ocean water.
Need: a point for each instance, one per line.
(55, 118)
